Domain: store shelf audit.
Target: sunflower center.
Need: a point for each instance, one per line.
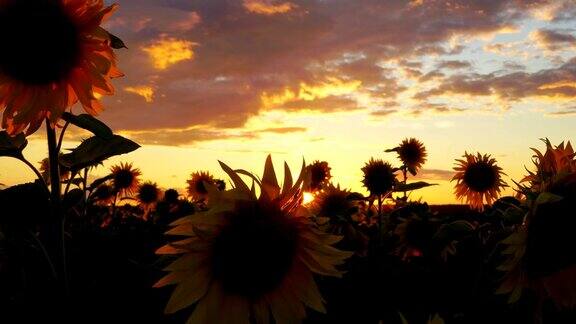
(200, 187)
(148, 193)
(255, 252)
(41, 42)
(123, 179)
(410, 154)
(480, 177)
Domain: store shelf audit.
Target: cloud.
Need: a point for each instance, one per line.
(453, 65)
(435, 174)
(177, 137)
(146, 92)
(166, 52)
(213, 61)
(566, 111)
(282, 130)
(554, 83)
(267, 7)
(435, 108)
(554, 39)
(311, 93)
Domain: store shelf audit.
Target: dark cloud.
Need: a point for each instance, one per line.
(555, 82)
(555, 39)
(566, 111)
(453, 65)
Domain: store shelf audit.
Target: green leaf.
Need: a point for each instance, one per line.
(547, 197)
(412, 186)
(116, 42)
(12, 145)
(89, 123)
(453, 231)
(94, 150)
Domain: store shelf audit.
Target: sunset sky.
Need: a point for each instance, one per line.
(335, 80)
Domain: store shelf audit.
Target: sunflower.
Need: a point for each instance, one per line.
(148, 193)
(250, 256)
(45, 171)
(412, 153)
(540, 254)
(338, 212)
(171, 196)
(125, 178)
(415, 230)
(334, 204)
(554, 162)
(379, 177)
(56, 55)
(319, 175)
(478, 178)
(104, 194)
(196, 184)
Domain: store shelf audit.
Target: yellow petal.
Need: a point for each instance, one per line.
(189, 291)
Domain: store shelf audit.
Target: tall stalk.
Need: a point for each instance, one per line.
(55, 236)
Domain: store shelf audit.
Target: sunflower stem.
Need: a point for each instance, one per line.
(404, 173)
(55, 235)
(62, 132)
(380, 219)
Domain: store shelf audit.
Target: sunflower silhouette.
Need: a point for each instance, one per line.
(57, 55)
(250, 256)
(125, 178)
(478, 179)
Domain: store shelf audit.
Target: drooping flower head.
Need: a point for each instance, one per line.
(196, 184)
(104, 194)
(478, 180)
(171, 196)
(319, 173)
(555, 162)
(250, 255)
(379, 177)
(412, 153)
(148, 193)
(56, 54)
(540, 254)
(125, 178)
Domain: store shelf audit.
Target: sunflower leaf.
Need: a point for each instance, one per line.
(95, 150)
(12, 146)
(89, 123)
(547, 197)
(116, 42)
(412, 186)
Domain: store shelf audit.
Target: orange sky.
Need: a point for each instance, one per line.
(339, 81)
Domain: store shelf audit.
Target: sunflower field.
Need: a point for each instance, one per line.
(255, 248)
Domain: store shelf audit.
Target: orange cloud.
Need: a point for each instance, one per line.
(146, 92)
(169, 51)
(306, 92)
(266, 7)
